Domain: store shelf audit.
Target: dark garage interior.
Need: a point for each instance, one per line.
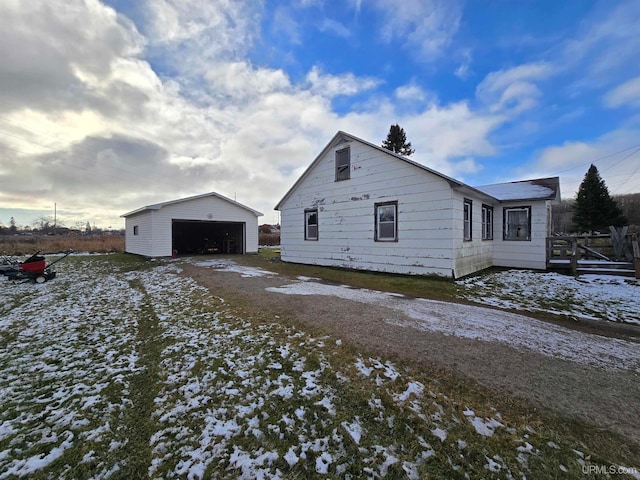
(207, 237)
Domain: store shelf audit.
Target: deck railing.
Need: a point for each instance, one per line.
(618, 249)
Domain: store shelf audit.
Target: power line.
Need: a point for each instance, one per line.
(601, 158)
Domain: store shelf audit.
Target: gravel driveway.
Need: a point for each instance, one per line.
(604, 395)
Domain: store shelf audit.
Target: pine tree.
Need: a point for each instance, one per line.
(397, 141)
(594, 208)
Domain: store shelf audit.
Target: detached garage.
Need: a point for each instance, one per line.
(209, 223)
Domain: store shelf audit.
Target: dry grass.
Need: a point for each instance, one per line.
(27, 245)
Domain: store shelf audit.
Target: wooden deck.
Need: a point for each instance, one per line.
(614, 254)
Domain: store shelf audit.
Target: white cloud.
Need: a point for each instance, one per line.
(513, 90)
(411, 92)
(285, 22)
(242, 82)
(425, 27)
(336, 28)
(627, 94)
(462, 72)
(335, 85)
(609, 38)
(446, 138)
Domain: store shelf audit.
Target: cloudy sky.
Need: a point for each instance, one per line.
(109, 106)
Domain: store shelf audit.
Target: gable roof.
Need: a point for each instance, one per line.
(158, 206)
(546, 186)
(342, 137)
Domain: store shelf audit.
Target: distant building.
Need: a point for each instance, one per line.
(209, 223)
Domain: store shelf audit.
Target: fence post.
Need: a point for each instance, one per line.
(636, 254)
(574, 256)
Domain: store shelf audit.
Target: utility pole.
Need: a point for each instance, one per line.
(55, 217)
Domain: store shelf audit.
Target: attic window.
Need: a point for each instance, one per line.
(517, 223)
(343, 164)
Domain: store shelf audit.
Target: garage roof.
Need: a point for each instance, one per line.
(158, 206)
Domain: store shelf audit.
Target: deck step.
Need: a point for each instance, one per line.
(624, 272)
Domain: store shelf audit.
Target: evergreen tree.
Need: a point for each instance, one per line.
(12, 225)
(397, 141)
(594, 208)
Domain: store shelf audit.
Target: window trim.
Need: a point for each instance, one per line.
(307, 213)
(376, 227)
(505, 229)
(487, 222)
(467, 208)
(344, 173)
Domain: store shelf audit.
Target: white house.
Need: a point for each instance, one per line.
(209, 223)
(361, 206)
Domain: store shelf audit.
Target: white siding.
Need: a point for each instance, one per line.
(139, 244)
(476, 254)
(522, 254)
(346, 220)
(156, 235)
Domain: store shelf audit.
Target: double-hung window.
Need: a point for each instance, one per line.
(343, 164)
(517, 223)
(467, 212)
(487, 222)
(311, 224)
(386, 222)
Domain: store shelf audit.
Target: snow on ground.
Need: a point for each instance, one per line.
(228, 397)
(225, 265)
(68, 348)
(597, 297)
(487, 325)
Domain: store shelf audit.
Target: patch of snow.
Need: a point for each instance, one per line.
(414, 388)
(593, 297)
(485, 427)
(440, 433)
(354, 429)
(225, 265)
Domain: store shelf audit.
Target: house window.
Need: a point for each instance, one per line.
(311, 224)
(517, 223)
(386, 222)
(487, 222)
(135, 229)
(343, 164)
(467, 219)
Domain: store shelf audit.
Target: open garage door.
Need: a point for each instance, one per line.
(206, 237)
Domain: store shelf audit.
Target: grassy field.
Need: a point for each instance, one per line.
(123, 368)
(28, 245)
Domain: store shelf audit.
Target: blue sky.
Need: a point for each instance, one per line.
(109, 106)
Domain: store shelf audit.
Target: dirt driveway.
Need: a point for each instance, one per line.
(606, 397)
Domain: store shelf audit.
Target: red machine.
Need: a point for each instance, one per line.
(34, 268)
